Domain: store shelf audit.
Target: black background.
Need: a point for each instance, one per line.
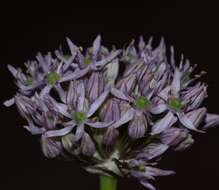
(26, 28)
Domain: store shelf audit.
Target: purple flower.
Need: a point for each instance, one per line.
(116, 112)
(42, 75)
(143, 169)
(92, 61)
(179, 103)
(79, 111)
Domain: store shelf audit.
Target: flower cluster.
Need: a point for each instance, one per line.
(115, 111)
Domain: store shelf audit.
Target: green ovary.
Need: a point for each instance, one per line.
(29, 82)
(86, 60)
(142, 102)
(141, 168)
(52, 78)
(175, 104)
(79, 117)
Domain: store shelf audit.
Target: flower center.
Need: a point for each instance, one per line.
(141, 168)
(79, 117)
(29, 82)
(52, 78)
(142, 102)
(86, 60)
(175, 104)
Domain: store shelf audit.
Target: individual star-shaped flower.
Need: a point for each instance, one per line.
(79, 111)
(96, 59)
(178, 102)
(42, 75)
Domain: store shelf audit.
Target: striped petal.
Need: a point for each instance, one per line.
(211, 120)
(96, 46)
(125, 118)
(164, 123)
(59, 132)
(76, 75)
(175, 86)
(97, 103)
(186, 122)
(99, 125)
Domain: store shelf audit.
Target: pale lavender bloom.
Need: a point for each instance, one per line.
(179, 103)
(115, 113)
(143, 168)
(43, 119)
(79, 111)
(41, 75)
(92, 61)
(138, 115)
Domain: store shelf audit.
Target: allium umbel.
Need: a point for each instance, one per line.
(115, 111)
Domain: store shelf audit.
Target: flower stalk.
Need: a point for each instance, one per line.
(108, 182)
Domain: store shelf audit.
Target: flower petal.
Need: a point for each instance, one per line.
(50, 147)
(197, 116)
(9, 102)
(173, 136)
(119, 94)
(164, 123)
(153, 150)
(87, 145)
(146, 184)
(99, 124)
(102, 63)
(187, 122)
(125, 118)
(81, 96)
(185, 144)
(59, 132)
(96, 46)
(138, 126)
(112, 71)
(151, 171)
(95, 86)
(110, 135)
(34, 130)
(13, 71)
(158, 109)
(79, 132)
(76, 75)
(63, 109)
(211, 120)
(45, 90)
(61, 92)
(73, 48)
(43, 63)
(97, 103)
(175, 86)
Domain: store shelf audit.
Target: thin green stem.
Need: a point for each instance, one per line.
(108, 182)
